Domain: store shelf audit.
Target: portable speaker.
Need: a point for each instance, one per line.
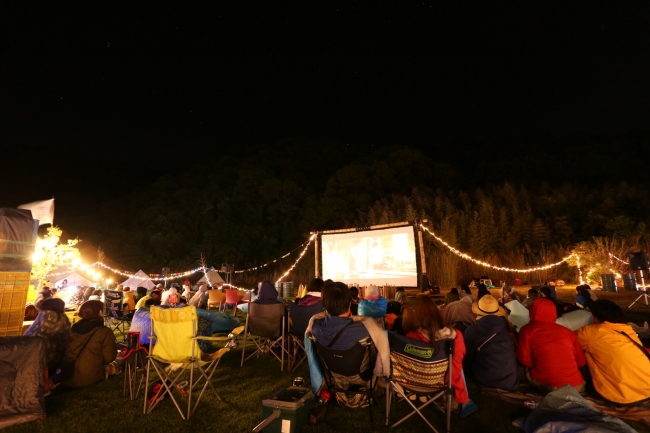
(638, 261)
(528, 259)
(537, 258)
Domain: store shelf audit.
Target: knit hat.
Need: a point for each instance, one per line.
(488, 306)
(371, 292)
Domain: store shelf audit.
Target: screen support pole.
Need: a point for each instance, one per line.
(423, 262)
(317, 256)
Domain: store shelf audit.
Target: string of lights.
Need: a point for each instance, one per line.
(273, 261)
(579, 269)
(488, 265)
(311, 238)
(620, 260)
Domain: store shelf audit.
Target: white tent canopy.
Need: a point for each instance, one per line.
(215, 278)
(139, 279)
(74, 280)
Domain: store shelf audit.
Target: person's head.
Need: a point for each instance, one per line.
(546, 292)
(127, 289)
(53, 304)
(97, 292)
(399, 289)
(119, 288)
(488, 306)
(155, 294)
(336, 299)
(92, 310)
(425, 316)
(482, 291)
(45, 292)
(141, 291)
(464, 288)
(267, 292)
(532, 293)
(53, 290)
(453, 291)
(583, 290)
(605, 310)
(315, 285)
(355, 293)
(152, 302)
(371, 292)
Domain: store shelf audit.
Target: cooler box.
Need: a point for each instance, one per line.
(294, 404)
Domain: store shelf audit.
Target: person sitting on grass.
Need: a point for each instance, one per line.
(400, 295)
(200, 298)
(482, 291)
(268, 294)
(532, 295)
(155, 294)
(618, 364)
(491, 358)
(92, 346)
(458, 314)
(44, 294)
(141, 321)
(77, 298)
(53, 326)
(326, 328)
(423, 322)
(313, 295)
(584, 297)
(550, 352)
(452, 296)
(373, 305)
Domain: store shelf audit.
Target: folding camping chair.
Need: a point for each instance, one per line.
(265, 324)
(298, 321)
(175, 332)
(134, 357)
(349, 371)
(216, 298)
(420, 370)
(114, 313)
(232, 298)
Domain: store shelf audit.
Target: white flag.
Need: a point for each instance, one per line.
(43, 210)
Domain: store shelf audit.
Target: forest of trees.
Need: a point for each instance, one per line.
(251, 209)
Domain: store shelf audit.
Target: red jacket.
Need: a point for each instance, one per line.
(551, 351)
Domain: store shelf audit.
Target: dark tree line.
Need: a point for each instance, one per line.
(253, 208)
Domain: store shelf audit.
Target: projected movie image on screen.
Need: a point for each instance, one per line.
(385, 256)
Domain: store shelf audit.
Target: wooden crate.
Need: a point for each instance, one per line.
(13, 297)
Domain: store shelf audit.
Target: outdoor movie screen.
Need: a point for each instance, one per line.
(383, 256)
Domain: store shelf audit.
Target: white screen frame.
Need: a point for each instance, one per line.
(404, 272)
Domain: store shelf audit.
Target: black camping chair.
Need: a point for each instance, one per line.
(265, 326)
(298, 321)
(418, 370)
(349, 371)
(114, 314)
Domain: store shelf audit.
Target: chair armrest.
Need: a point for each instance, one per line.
(201, 337)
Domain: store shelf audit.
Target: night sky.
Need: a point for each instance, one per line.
(98, 98)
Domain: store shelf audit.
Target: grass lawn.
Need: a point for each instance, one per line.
(101, 407)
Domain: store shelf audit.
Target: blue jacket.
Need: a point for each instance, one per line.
(491, 358)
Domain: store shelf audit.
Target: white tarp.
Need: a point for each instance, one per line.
(73, 280)
(139, 279)
(215, 278)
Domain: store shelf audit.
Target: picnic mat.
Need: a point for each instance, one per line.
(525, 396)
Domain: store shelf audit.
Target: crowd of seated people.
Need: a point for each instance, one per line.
(605, 359)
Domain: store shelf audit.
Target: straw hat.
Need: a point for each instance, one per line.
(488, 306)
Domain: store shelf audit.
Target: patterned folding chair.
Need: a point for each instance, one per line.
(114, 313)
(419, 370)
(298, 321)
(265, 326)
(175, 333)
